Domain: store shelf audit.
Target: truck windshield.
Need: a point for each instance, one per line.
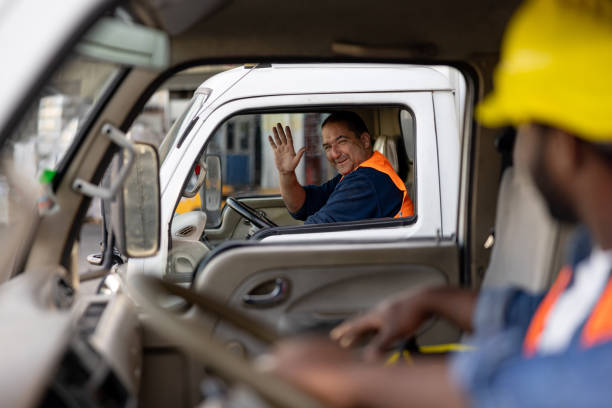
(183, 124)
(40, 141)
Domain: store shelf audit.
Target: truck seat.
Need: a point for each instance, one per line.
(530, 246)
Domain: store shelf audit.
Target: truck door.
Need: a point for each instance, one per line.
(315, 278)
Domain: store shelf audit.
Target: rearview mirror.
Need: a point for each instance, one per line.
(125, 43)
(136, 209)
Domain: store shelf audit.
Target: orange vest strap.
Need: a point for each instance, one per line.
(379, 162)
(598, 327)
(532, 338)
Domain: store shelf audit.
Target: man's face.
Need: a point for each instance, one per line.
(344, 150)
(533, 154)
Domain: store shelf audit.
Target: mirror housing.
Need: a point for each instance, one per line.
(213, 183)
(192, 188)
(136, 208)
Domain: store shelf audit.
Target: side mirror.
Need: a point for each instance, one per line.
(199, 171)
(136, 208)
(213, 183)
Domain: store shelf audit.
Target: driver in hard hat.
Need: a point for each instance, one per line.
(554, 83)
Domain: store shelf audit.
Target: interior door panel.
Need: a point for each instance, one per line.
(325, 283)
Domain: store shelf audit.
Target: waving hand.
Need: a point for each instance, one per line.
(285, 157)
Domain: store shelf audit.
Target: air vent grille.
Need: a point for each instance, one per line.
(184, 232)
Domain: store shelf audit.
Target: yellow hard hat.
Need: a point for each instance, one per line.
(556, 69)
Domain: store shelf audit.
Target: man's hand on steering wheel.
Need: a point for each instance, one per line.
(391, 320)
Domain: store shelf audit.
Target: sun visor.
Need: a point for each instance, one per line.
(176, 16)
(128, 44)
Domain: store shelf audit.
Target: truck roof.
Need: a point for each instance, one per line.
(291, 79)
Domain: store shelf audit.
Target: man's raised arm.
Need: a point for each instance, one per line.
(286, 160)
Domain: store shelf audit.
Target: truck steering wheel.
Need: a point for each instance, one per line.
(147, 291)
(257, 218)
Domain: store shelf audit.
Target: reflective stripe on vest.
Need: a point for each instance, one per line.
(532, 338)
(380, 163)
(598, 326)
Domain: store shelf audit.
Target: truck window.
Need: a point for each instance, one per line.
(428, 100)
(247, 160)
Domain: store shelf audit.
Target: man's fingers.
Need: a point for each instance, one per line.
(347, 333)
(289, 135)
(378, 345)
(299, 155)
(276, 137)
(281, 133)
(272, 142)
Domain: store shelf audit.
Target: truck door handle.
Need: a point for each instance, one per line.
(278, 292)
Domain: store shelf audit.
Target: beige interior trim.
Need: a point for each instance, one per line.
(53, 233)
(197, 342)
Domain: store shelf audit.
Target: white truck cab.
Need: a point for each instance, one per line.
(413, 112)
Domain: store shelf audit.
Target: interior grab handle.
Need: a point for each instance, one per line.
(278, 293)
(91, 190)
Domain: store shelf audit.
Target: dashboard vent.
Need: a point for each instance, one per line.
(185, 232)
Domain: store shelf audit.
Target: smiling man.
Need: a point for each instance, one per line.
(366, 186)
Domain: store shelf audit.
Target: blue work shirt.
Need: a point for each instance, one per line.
(362, 194)
(497, 374)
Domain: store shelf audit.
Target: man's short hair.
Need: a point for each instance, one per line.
(352, 120)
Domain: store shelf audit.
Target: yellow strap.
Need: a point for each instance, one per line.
(444, 348)
(407, 357)
(432, 349)
(393, 359)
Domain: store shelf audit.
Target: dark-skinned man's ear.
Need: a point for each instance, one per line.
(571, 147)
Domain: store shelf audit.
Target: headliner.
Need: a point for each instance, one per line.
(435, 30)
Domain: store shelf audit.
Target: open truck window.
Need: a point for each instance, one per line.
(247, 160)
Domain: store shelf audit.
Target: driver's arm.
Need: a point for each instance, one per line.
(428, 384)
(339, 380)
(292, 191)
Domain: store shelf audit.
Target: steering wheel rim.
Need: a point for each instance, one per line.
(249, 213)
(197, 341)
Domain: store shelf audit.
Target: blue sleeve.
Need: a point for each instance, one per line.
(354, 198)
(316, 197)
(363, 194)
(500, 308)
(575, 378)
(500, 321)
(521, 308)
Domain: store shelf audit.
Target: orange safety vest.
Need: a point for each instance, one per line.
(380, 163)
(597, 329)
